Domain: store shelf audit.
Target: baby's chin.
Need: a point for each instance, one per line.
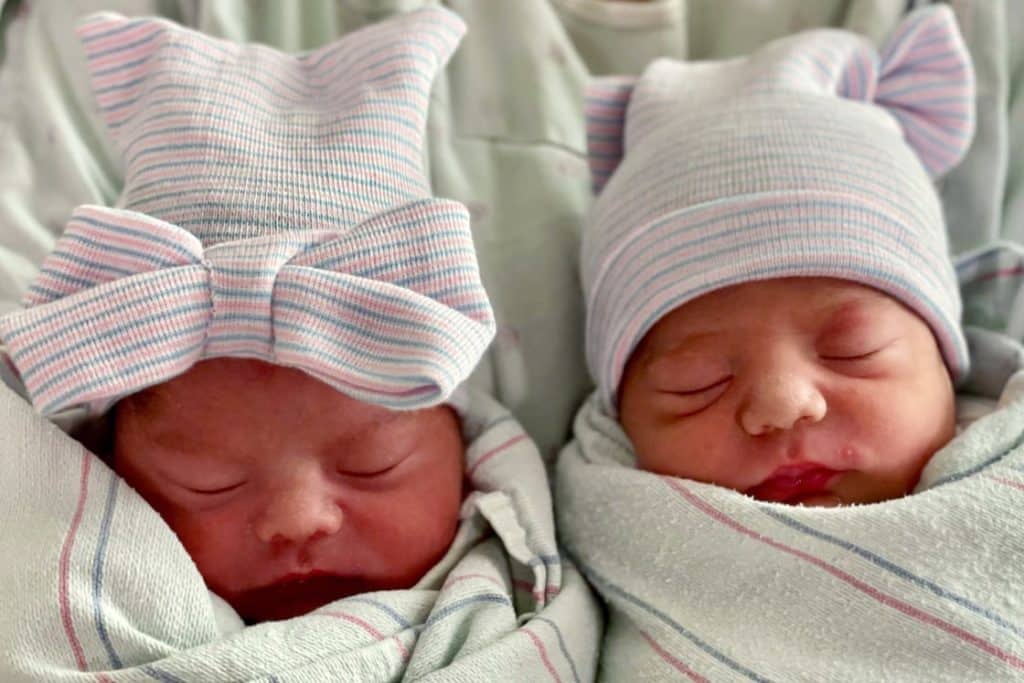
(295, 597)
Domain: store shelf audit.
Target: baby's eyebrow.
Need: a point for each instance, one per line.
(848, 314)
(181, 443)
(693, 342)
(855, 313)
(379, 423)
(683, 356)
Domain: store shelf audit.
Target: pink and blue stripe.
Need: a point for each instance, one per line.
(386, 325)
(911, 611)
(814, 156)
(177, 99)
(276, 208)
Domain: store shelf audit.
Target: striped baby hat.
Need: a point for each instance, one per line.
(813, 156)
(275, 207)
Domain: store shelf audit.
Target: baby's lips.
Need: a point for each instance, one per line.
(795, 484)
(295, 595)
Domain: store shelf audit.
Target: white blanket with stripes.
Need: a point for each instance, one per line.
(95, 587)
(704, 583)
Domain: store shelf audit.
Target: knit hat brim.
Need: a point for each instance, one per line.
(700, 249)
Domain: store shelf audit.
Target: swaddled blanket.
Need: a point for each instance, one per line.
(95, 586)
(704, 583)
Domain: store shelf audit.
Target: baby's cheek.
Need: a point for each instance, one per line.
(411, 528)
(681, 447)
(433, 503)
(215, 541)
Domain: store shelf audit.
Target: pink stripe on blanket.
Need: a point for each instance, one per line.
(1007, 482)
(539, 644)
(452, 580)
(676, 663)
(550, 590)
(887, 600)
(65, 561)
(493, 452)
(369, 629)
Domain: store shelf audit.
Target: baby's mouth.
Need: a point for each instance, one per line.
(803, 483)
(293, 595)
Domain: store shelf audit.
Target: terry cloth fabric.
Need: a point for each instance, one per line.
(706, 584)
(814, 156)
(84, 599)
(275, 207)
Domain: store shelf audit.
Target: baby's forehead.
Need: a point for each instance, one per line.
(227, 395)
(810, 304)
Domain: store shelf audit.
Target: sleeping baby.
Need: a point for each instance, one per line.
(275, 326)
(287, 493)
(765, 483)
(805, 390)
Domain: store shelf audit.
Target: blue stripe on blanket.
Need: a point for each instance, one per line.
(390, 611)
(596, 578)
(163, 676)
(454, 607)
(977, 468)
(895, 569)
(561, 646)
(546, 560)
(97, 573)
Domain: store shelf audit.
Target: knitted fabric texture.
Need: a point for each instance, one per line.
(814, 156)
(275, 207)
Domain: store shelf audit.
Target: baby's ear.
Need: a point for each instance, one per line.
(605, 104)
(927, 83)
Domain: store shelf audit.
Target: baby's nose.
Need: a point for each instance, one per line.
(780, 401)
(300, 510)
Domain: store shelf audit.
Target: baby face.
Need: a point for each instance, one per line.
(286, 493)
(798, 390)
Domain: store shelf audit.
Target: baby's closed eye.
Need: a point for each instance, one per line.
(202, 475)
(373, 466)
(378, 451)
(860, 355)
(203, 484)
(683, 396)
(853, 337)
(214, 490)
(686, 383)
(376, 456)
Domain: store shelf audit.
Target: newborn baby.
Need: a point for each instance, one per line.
(276, 331)
(288, 494)
(770, 302)
(767, 483)
(812, 390)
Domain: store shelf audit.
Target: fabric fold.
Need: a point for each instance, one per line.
(710, 584)
(111, 594)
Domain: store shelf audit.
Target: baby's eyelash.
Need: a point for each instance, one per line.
(368, 475)
(212, 492)
(697, 392)
(860, 356)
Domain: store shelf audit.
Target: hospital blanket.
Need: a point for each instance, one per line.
(704, 583)
(95, 586)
